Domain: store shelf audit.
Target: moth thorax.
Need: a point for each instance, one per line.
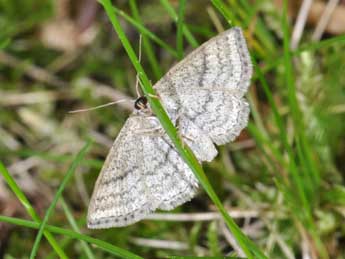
(140, 103)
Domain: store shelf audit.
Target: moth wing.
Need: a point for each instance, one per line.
(142, 172)
(170, 180)
(208, 86)
(223, 62)
(121, 196)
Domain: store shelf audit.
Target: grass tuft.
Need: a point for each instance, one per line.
(58, 194)
(30, 210)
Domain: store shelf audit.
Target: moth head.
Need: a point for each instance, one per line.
(141, 105)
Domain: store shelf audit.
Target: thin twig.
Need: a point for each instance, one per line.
(8, 140)
(300, 23)
(205, 216)
(244, 144)
(33, 71)
(215, 19)
(166, 244)
(161, 244)
(285, 247)
(101, 138)
(82, 190)
(326, 16)
(231, 240)
(11, 98)
(42, 75)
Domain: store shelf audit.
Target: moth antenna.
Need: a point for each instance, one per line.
(137, 76)
(101, 106)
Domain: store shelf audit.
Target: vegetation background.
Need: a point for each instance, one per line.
(282, 180)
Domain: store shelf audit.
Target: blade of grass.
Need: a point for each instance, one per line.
(212, 239)
(269, 96)
(300, 137)
(305, 175)
(4, 43)
(227, 14)
(180, 24)
(73, 223)
(64, 242)
(292, 166)
(248, 247)
(64, 182)
(201, 30)
(261, 30)
(256, 114)
(291, 89)
(313, 46)
(97, 242)
(283, 137)
(198, 257)
(263, 141)
(146, 43)
(293, 104)
(31, 211)
(96, 164)
(245, 12)
(230, 17)
(189, 36)
(318, 45)
(144, 31)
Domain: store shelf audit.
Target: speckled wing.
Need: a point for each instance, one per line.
(204, 95)
(120, 195)
(142, 172)
(168, 177)
(206, 89)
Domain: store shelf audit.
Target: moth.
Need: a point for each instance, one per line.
(204, 94)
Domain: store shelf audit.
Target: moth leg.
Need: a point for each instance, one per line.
(177, 125)
(187, 137)
(156, 131)
(155, 96)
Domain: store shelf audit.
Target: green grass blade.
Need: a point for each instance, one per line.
(274, 62)
(146, 43)
(73, 223)
(169, 9)
(291, 89)
(264, 143)
(212, 239)
(283, 137)
(198, 257)
(31, 211)
(4, 43)
(189, 36)
(261, 30)
(320, 44)
(64, 182)
(180, 24)
(72, 234)
(248, 247)
(256, 114)
(293, 104)
(144, 31)
(229, 16)
(64, 242)
(277, 117)
(301, 140)
(93, 163)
